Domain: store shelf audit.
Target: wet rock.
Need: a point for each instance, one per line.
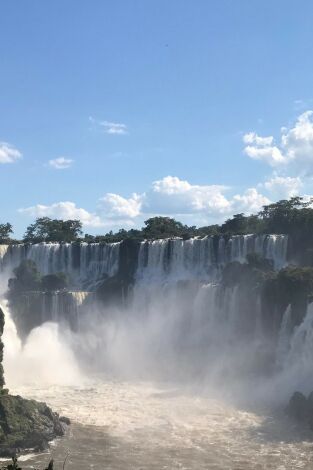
(65, 420)
(26, 424)
(298, 407)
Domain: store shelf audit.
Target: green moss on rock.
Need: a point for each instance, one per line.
(26, 424)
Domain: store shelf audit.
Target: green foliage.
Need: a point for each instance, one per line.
(163, 227)
(5, 231)
(27, 277)
(53, 282)
(240, 224)
(251, 274)
(290, 286)
(45, 229)
(255, 260)
(282, 216)
(291, 217)
(295, 280)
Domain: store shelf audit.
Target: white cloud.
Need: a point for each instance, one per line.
(8, 153)
(249, 202)
(114, 206)
(181, 199)
(64, 210)
(253, 138)
(169, 196)
(114, 127)
(109, 127)
(270, 154)
(282, 187)
(173, 195)
(294, 150)
(61, 163)
(297, 142)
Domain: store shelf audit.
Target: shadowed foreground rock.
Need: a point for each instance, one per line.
(300, 408)
(26, 424)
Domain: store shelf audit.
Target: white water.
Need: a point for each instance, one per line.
(120, 425)
(45, 359)
(213, 412)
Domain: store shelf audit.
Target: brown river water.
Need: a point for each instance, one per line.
(127, 425)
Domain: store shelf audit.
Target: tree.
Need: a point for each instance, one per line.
(27, 277)
(53, 282)
(53, 230)
(284, 216)
(5, 231)
(163, 227)
(235, 225)
(240, 224)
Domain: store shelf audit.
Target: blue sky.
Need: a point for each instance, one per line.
(115, 111)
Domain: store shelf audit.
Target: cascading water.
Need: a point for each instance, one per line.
(177, 323)
(83, 263)
(179, 259)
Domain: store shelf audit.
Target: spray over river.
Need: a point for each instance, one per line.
(170, 379)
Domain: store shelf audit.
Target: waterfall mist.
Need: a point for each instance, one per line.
(46, 357)
(177, 323)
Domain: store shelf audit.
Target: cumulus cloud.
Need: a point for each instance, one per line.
(61, 163)
(8, 153)
(253, 138)
(64, 210)
(114, 206)
(282, 187)
(181, 199)
(169, 196)
(250, 201)
(175, 196)
(294, 150)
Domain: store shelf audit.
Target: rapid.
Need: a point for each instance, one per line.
(171, 379)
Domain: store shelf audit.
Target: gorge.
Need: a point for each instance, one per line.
(141, 326)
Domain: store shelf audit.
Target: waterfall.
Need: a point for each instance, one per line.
(45, 358)
(175, 309)
(171, 259)
(83, 263)
(178, 259)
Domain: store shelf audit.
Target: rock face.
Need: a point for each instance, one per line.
(24, 424)
(300, 408)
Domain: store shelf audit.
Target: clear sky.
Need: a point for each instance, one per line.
(115, 111)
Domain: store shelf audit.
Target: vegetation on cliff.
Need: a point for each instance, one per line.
(292, 285)
(28, 278)
(26, 424)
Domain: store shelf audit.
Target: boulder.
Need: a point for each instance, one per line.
(26, 424)
(298, 407)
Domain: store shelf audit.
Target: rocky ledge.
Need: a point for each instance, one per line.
(27, 425)
(300, 408)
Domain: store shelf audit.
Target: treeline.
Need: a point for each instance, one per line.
(292, 217)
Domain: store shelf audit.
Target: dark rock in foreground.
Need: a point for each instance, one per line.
(300, 408)
(26, 424)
